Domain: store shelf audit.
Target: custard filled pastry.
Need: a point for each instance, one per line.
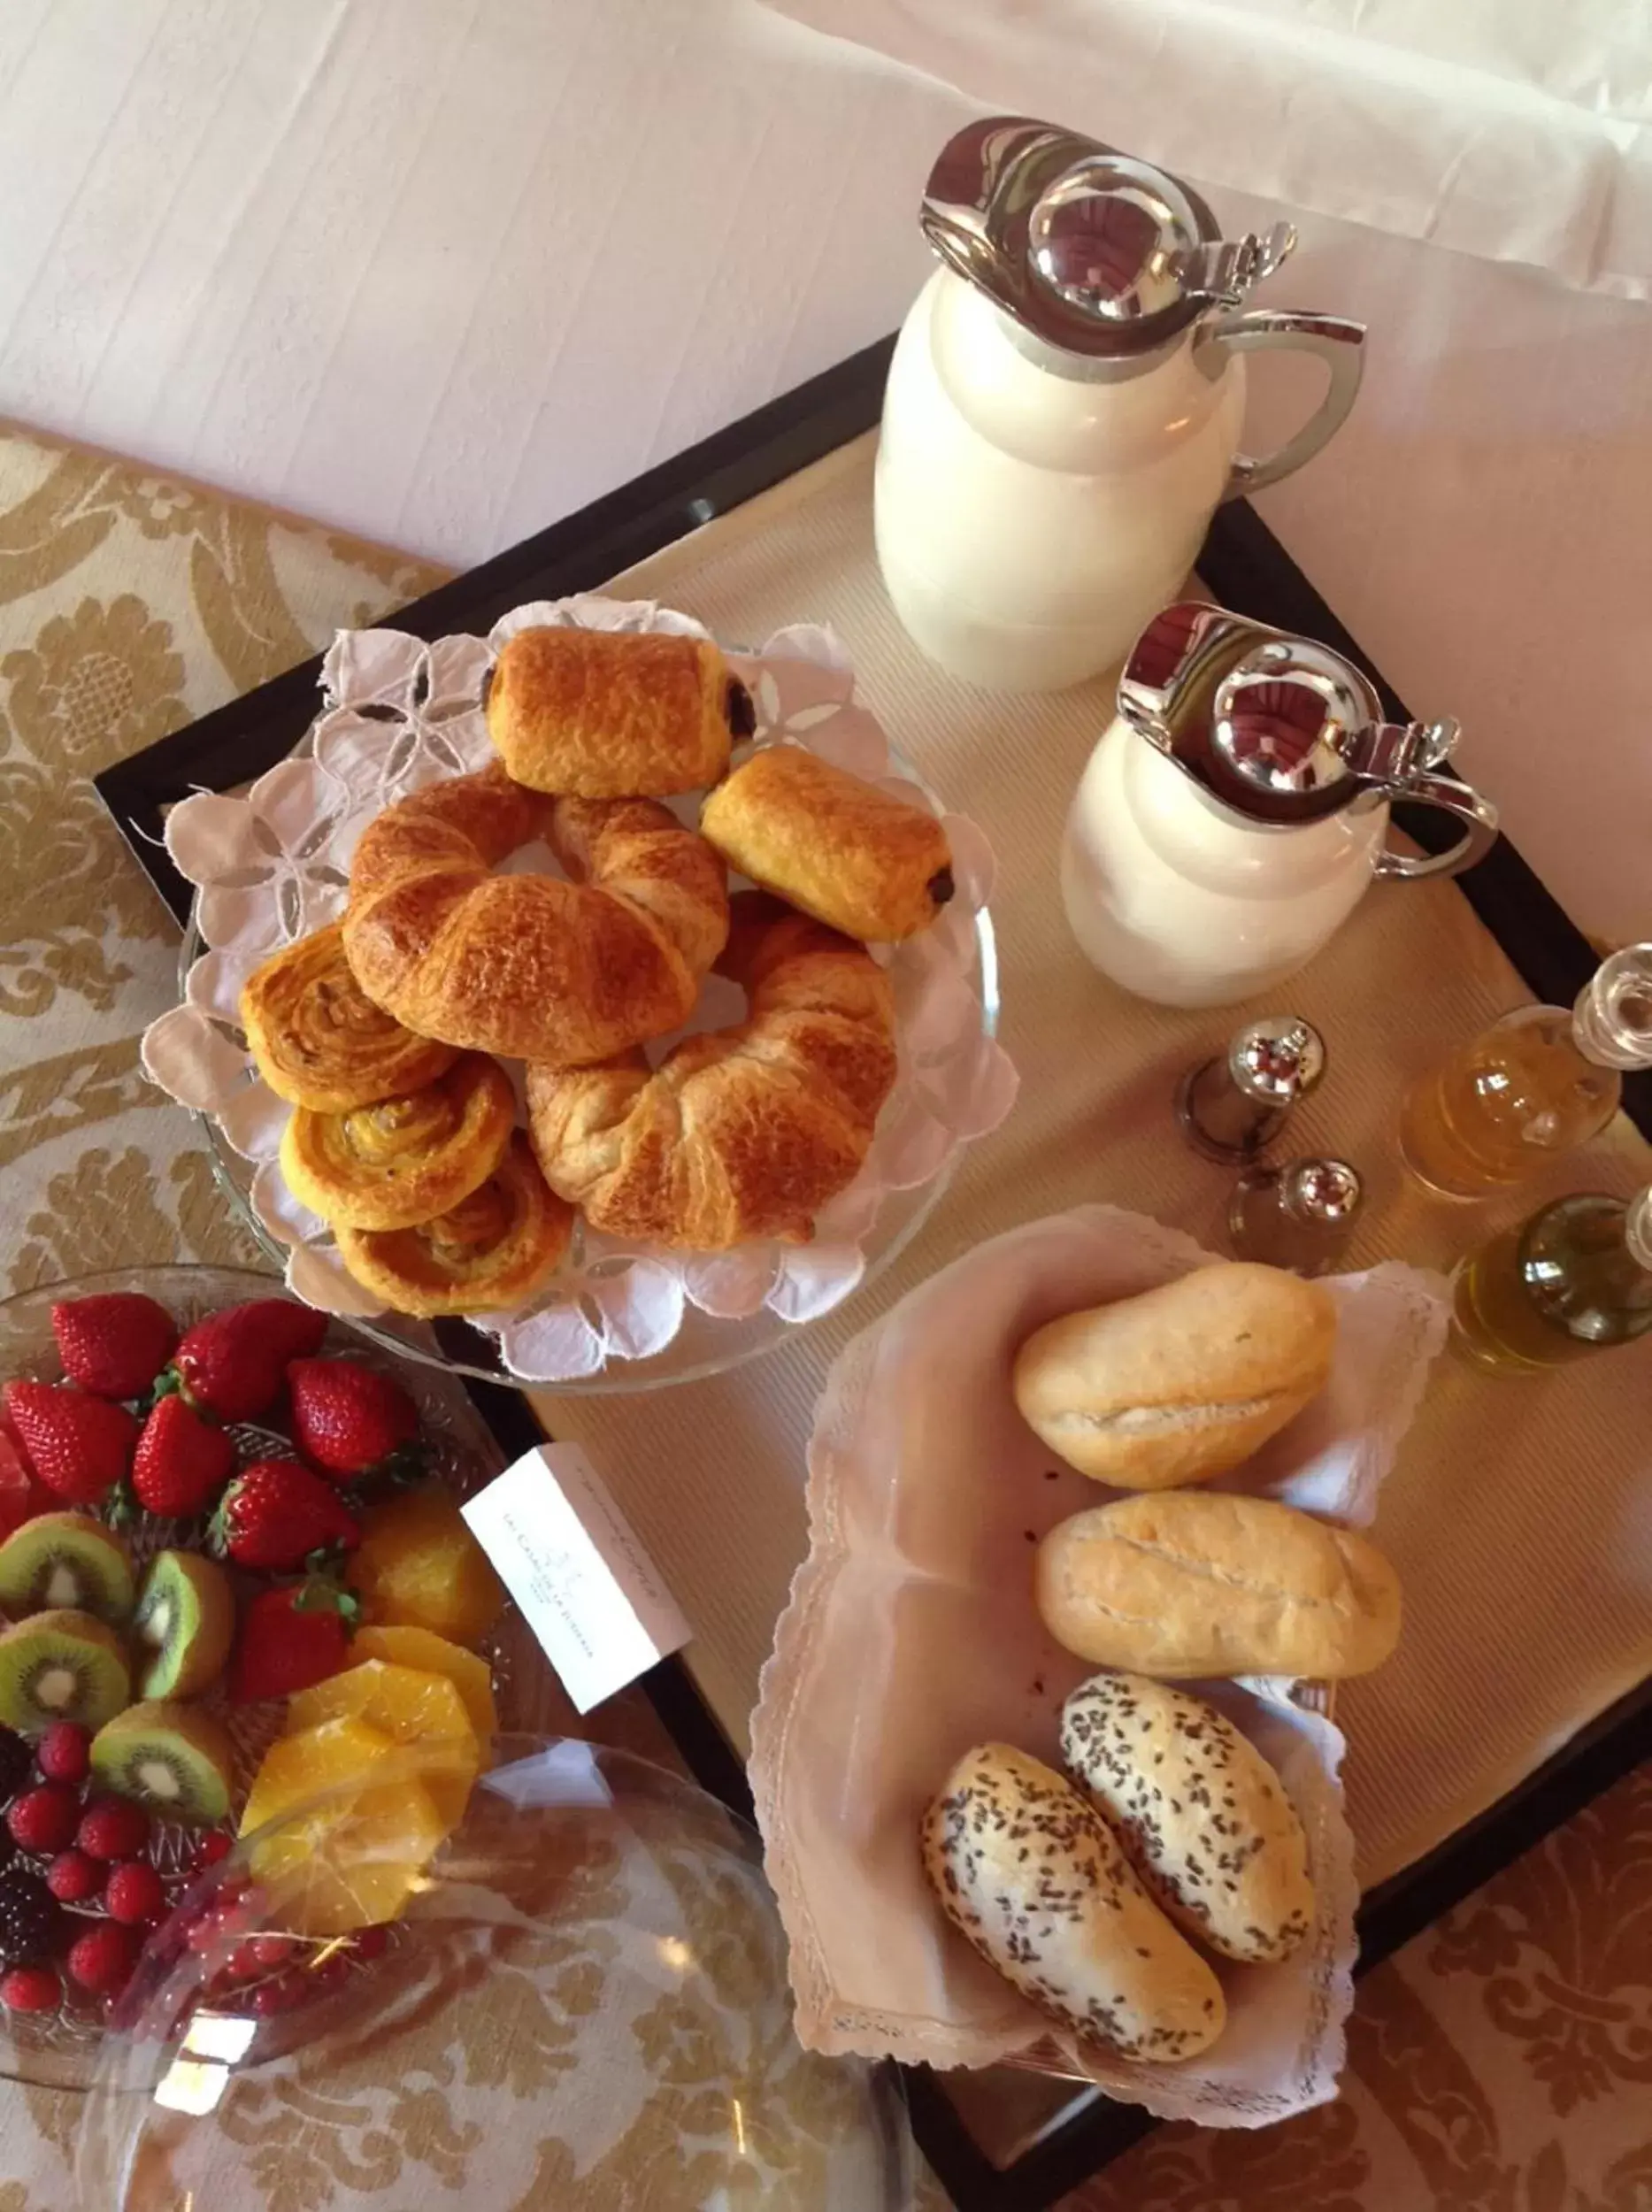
(480, 1256)
(856, 858)
(403, 1160)
(527, 966)
(319, 1041)
(744, 1133)
(607, 714)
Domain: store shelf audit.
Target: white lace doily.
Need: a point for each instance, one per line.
(271, 866)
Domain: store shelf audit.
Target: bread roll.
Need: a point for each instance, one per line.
(614, 714)
(1181, 1382)
(1200, 1582)
(855, 857)
(1203, 1816)
(1030, 1873)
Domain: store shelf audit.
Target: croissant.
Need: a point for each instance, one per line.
(482, 1255)
(744, 1133)
(856, 857)
(607, 714)
(401, 1161)
(526, 965)
(319, 1041)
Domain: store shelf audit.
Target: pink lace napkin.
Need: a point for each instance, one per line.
(911, 1633)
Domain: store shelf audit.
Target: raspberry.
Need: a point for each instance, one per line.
(135, 1893)
(113, 1828)
(43, 1821)
(32, 1922)
(72, 1878)
(31, 1989)
(212, 1848)
(62, 1755)
(103, 1958)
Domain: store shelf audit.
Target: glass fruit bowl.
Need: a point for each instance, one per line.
(582, 2002)
(59, 2050)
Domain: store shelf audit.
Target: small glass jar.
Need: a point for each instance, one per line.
(1300, 1215)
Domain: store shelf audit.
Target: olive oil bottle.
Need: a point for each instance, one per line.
(1535, 1084)
(1576, 1277)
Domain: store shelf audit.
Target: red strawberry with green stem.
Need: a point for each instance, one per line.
(276, 1514)
(182, 1461)
(292, 1637)
(351, 1420)
(78, 1446)
(113, 1344)
(233, 1363)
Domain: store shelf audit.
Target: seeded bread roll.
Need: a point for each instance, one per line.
(1203, 1816)
(1198, 1582)
(1030, 1873)
(1181, 1382)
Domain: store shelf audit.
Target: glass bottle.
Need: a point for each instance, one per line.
(1576, 1277)
(1534, 1085)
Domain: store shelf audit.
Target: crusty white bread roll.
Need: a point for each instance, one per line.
(1200, 1582)
(1181, 1382)
(1204, 1818)
(1032, 1874)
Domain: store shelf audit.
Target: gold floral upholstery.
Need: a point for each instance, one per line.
(1503, 2061)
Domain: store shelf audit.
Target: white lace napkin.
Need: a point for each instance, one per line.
(911, 1633)
(273, 866)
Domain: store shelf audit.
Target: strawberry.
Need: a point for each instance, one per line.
(233, 1362)
(112, 1828)
(182, 1461)
(290, 1639)
(77, 1445)
(349, 1419)
(212, 1850)
(43, 1821)
(113, 1345)
(64, 1752)
(103, 1958)
(31, 1989)
(135, 1894)
(72, 1876)
(276, 1513)
(21, 1497)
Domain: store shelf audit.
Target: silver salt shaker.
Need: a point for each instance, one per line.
(1231, 1108)
(1300, 1215)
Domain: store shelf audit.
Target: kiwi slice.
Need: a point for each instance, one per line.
(186, 1617)
(61, 1560)
(61, 1665)
(175, 1759)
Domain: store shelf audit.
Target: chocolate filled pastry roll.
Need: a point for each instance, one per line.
(610, 714)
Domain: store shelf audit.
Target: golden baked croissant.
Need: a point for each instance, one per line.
(744, 1133)
(607, 714)
(856, 858)
(319, 1041)
(526, 965)
(484, 1255)
(401, 1161)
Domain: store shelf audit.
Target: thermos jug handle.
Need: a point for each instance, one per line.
(1340, 344)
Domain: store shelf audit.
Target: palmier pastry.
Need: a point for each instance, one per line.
(742, 1134)
(319, 1041)
(856, 857)
(526, 965)
(605, 714)
(401, 1161)
(482, 1255)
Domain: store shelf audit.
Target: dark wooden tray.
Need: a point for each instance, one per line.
(1248, 570)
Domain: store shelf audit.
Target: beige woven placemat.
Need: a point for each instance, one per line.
(1512, 1514)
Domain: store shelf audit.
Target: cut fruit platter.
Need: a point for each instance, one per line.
(239, 1599)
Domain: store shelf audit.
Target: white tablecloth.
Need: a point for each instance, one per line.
(442, 272)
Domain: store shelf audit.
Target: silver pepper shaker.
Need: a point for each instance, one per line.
(1231, 1108)
(1300, 1215)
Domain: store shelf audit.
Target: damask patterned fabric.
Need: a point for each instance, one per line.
(1503, 2062)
